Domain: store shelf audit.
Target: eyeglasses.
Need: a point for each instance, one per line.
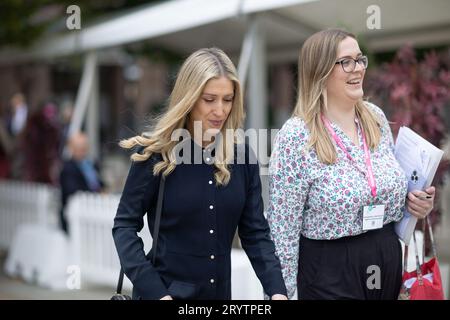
(349, 64)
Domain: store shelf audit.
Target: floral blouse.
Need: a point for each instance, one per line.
(323, 201)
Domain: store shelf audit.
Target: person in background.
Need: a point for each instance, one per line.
(6, 147)
(41, 161)
(16, 123)
(19, 114)
(65, 117)
(78, 173)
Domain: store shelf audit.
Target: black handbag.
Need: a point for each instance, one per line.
(118, 295)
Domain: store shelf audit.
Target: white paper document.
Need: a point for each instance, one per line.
(419, 159)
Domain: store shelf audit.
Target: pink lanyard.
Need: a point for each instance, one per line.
(370, 176)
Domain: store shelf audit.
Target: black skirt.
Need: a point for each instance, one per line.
(362, 267)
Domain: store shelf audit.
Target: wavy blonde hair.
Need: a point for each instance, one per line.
(196, 71)
(316, 62)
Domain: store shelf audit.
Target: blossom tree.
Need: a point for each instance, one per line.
(415, 93)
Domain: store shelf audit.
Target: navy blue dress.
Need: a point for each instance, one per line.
(199, 221)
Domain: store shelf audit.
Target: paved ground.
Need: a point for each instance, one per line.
(17, 289)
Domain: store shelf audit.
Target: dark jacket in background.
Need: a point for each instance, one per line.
(71, 181)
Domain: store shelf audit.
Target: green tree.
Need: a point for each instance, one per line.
(23, 21)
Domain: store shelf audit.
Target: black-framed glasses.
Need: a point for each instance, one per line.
(349, 64)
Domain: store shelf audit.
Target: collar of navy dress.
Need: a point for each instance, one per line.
(189, 152)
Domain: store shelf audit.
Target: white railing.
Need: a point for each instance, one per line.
(25, 203)
(91, 217)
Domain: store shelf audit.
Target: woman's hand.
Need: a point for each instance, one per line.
(418, 204)
(279, 297)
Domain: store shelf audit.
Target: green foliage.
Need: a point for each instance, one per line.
(23, 21)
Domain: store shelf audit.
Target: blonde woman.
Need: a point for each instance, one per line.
(335, 187)
(206, 198)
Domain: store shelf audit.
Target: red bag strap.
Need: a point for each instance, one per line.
(405, 260)
(425, 222)
(418, 270)
(430, 231)
(424, 232)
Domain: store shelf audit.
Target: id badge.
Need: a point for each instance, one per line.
(373, 216)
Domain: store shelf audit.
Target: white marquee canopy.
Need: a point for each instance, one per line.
(251, 31)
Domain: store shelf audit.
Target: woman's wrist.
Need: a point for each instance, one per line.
(278, 296)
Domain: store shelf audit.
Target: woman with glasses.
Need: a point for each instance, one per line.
(336, 189)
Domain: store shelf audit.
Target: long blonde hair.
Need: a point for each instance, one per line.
(316, 62)
(196, 71)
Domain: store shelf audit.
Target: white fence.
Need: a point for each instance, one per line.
(91, 246)
(90, 217)
(25, 203)
(29, 215)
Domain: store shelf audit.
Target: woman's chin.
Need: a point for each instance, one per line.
(212, 131)
(355, 95)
